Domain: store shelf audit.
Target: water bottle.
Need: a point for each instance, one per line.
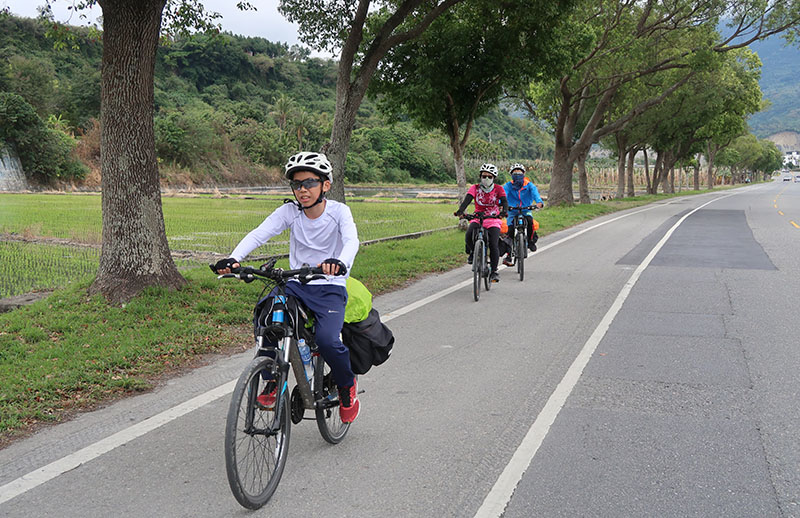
(305, 355)
(277, 309)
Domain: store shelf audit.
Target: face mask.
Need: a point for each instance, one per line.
(487, 182)
(517, 180)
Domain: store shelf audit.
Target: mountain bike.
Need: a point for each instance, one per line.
(519, 250)
(481, 266)
(257, 436)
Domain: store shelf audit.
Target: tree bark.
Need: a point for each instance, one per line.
(583, 178)
(560, 192)
(657, 174)
(711, 152)
(631, 192)
(458, 162)
(697, 175)
(646, 170)
(621, 142)
(135, 253)
(336, 148)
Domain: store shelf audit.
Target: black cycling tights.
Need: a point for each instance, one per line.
(494, 237)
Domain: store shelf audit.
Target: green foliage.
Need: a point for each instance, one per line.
(222, 100)
(45, 152)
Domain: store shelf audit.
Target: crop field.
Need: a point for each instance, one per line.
(26, 267)
(197, 224)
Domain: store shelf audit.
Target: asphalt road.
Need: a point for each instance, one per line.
(647, 366)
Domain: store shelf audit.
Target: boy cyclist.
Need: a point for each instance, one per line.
(323, 233)
(521, 192)
(490, 198)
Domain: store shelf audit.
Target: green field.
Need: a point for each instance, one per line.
(203, 224)
(198, 224)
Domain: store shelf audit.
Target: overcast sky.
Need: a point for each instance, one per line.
(266, 22)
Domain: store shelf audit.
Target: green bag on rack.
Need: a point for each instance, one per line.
(359, 301)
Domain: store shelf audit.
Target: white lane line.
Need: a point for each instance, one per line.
(496, 501)
(73, 460)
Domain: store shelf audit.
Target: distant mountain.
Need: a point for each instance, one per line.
(780, 82)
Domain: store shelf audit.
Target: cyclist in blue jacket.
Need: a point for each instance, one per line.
(521, 192)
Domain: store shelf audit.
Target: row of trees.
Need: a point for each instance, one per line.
(231, 109)
(595, 53)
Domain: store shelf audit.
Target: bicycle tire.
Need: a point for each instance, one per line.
(521, 255)
(254, 461)
(487, 269)
(329, 421)
(478, 262)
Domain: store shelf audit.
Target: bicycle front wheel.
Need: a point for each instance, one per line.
(521, 255)
(326, 396)
(478, 262)
(256, 437)
(487, 269)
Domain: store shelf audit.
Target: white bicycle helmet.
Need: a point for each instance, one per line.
(489, 168)
(309, 161)
(517, 166)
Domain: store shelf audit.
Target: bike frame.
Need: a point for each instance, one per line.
(283, 322)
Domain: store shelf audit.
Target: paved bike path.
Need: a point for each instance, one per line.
(440, 419)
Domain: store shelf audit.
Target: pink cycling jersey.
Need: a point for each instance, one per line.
(488, 203)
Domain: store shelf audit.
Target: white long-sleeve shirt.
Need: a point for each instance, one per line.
(333, 234)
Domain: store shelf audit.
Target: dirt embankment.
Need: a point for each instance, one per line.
(786, 140)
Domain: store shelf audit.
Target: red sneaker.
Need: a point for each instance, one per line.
(268, 395)
(349, 406)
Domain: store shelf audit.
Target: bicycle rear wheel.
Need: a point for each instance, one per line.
(478, 262)
(520, 255)
(326, 394)
(256, 437)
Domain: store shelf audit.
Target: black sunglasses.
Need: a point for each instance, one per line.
(308, 183)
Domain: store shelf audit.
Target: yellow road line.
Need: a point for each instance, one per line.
(795, 224)
(781, 213)
(775, 206)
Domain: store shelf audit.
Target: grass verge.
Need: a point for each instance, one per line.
(70, 352)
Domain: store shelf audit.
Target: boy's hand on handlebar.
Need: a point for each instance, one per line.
(229, 265)
(458, 214)
(333, 266)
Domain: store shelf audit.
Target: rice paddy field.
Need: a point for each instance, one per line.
(198, 224)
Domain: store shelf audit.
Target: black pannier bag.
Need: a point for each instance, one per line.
(370, 342)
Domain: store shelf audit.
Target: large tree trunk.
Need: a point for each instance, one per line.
(583, 178)
(631, 189)
(620, 164)
(711, 152)
(458, 161)
(697, 175)
(657, 174)
(336, 149)
(646, 171)
(135, 253)
(560, 192)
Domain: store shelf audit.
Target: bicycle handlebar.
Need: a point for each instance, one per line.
(479, 215)
(249, 274)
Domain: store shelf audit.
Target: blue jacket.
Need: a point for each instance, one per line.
(527, 195)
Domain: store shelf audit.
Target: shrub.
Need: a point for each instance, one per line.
(44, 152)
